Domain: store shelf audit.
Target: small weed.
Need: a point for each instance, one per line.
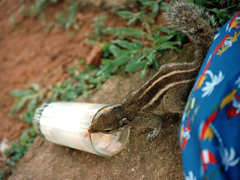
(70, 19)
(12, 21)
(27, 98)
(132, 55)
(99, 26)
(142, 15)
(64, 19)
(145, 18)
(16, 151)
(223, 10)
(37, 7)
(78, 83)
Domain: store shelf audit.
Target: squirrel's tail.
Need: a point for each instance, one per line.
(194, 22)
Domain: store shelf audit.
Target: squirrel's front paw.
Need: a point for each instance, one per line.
(152, 135)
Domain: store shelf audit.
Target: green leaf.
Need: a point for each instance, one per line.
(132, 20)
(93, 80)
(49, 27)
(22, 93)
(35, 87)
(68, 24)
(115, 50)
(124, 32)
(28, 116)
(72, 70)
(147, 3)
(152, 58)
(137, 43)
(17, 107)
(85, 94)
(162, 39)
(165, 29)
(32, 132)
(61, 19)
(155, 63)
(166, 45)
(43, 19)
(126, 44)
(32, 104)
(106, 51)
(24, 138)
(106, 60)
(80, 61)
(58, 90)
(95, 43)
(109, 67)
(82, 75)
(180, 38)
(125, 14)
(143, 71)
(136, 64)
(120, 70)
(121, 60)
(72, 10)
(200, 2)
(10, 162)
(165, 6)
(155, 9)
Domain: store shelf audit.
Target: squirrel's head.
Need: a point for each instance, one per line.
(110, 120)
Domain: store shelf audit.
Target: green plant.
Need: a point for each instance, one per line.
(16, 151)
(78, 83)
(224, 14)
(132, 55)
(222, 10)
(63, 19)
(142, 15)
(145, 18)
(99, 26)
(129, 53)
(12, 21)
(28, 98)
(70, 20)
(37, 7)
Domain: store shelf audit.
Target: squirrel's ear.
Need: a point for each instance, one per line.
(123, 122)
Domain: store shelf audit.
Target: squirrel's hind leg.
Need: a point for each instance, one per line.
(156, 124)
(175, 99)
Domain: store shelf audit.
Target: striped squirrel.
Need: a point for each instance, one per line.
(167, 91)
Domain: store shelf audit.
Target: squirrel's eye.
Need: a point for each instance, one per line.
(108, 130)
(123, 124)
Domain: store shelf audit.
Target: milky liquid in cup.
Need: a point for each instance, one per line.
(66, 124)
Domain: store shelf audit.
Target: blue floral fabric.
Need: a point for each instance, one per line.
(210, 128)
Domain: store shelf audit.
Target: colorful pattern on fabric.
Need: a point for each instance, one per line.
(210, 128)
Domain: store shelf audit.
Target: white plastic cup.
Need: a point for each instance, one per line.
(66, 123)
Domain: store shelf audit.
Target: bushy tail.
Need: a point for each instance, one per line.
(194, 22)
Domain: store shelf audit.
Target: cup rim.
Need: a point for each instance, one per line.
(128, 134)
